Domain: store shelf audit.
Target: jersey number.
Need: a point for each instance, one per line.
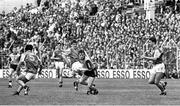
(31, 58)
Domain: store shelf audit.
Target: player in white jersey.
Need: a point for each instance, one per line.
(33, 67)
(158, 70)
(14, 58)
(87, 71)
(59, 62)
(73, 53)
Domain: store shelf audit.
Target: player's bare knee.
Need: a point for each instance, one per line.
(156, 82)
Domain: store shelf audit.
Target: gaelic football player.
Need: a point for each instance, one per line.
(59, 62)
(87, 71)
(73, 53)
(158, 70)
(33, 66)
(14, 58)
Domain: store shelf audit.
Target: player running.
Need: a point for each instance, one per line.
(59, 62)
(33, 66)
(87, 71)
(158, 70)
(14, 58)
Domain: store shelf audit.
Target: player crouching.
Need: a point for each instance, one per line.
(33, 65)
(88, 71)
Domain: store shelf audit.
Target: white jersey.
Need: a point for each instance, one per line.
(80, 66)
(14, 58)
(77, 66)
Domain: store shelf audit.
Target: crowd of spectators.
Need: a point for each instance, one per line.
(112, 38)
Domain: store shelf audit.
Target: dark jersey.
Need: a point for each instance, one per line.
(58, 55)
(73, 55)
(91, 70)
(159, 60)
(32, 62)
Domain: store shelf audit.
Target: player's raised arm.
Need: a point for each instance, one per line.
(87, 56)
(53, 56)
(156, 51)
(65, 54)
(40, 66)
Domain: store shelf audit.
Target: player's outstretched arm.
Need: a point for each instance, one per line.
(40, 66)
(40, 70)
(53, 56)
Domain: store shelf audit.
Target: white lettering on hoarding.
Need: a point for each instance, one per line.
(102, 73)
(123, 74)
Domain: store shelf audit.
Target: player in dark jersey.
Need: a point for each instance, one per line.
(87, 71)
(158, 70)
(59, 62)
(14, 58)
(71, 52)
(33, 66)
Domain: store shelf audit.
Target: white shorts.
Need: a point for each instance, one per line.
(59, 65)
(158, 68)
(30, 76)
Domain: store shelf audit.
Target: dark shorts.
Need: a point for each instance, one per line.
(91, 73)
(13, 66)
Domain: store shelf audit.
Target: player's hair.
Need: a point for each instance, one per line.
(153, 39)
(74, 42)
(81, 51)
(28, 47)
(59, 43)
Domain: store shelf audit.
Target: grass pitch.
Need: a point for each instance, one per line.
(111, 92)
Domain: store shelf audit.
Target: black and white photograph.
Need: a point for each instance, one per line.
(90, 52)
